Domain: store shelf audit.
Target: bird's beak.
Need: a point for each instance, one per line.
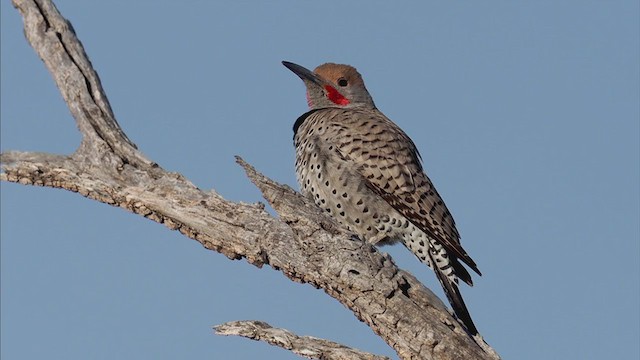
(303, 73)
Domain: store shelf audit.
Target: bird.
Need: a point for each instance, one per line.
(367, 173)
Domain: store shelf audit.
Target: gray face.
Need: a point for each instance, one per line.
(333, 85)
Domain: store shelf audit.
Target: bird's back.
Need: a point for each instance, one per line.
(367, 159)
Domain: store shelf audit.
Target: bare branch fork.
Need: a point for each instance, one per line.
(303, 243)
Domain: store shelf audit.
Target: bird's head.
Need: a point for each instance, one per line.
(333, 85)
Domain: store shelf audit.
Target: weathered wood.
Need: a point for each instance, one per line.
(305, 346)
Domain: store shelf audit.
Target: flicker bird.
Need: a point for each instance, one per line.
(366, 172)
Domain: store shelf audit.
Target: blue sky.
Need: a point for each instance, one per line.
(526, 114)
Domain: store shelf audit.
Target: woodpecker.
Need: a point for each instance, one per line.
(361, 168)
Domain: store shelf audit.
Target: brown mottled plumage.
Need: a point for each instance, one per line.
(366, 172)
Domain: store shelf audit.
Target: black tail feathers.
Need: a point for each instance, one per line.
(456, 301)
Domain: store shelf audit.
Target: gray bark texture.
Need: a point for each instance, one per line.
(303, 243)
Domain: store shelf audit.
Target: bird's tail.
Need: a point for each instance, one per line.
(455, 299)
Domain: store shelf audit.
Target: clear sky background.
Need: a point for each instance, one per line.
(526, 114)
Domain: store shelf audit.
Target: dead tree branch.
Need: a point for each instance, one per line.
(304, 243)
(305, 346)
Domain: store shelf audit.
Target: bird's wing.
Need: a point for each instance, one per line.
(390, 163)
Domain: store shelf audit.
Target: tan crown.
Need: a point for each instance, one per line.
(333, 72)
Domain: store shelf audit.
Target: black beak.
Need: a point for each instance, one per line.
(303, 73)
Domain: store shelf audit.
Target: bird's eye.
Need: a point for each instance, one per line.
(343, 82)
